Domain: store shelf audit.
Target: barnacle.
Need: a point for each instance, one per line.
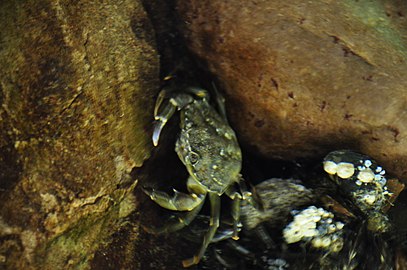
(343, 169)
(317, 227)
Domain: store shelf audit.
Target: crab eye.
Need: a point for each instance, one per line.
(193, 158)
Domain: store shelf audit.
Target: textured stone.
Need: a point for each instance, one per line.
(77, 81)
(303, 78)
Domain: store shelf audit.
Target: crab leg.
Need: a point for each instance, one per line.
(176, 222)
(213, 226)
(262, 234)
(236, 197)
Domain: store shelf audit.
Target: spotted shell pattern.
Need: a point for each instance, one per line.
(362, 179)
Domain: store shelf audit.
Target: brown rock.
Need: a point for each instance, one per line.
(77, 81)
(303, 78)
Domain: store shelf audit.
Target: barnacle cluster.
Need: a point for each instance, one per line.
(336, 226)
(315, 226)
(363, 181)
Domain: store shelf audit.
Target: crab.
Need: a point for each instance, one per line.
(209, 149)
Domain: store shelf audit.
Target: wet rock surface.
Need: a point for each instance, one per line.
(304, 78)
(77, 85)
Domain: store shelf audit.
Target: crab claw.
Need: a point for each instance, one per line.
(158, 127)
(178, 202)
(161, 116)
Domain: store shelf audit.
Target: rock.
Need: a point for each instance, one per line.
(77, 86)
(304, 78)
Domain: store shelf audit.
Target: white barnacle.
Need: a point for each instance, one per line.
(339, 225)
(316, 242)
(326, 241)
(337, 245)
(329, 220)
(366, 176)
(325, 214)
(331, 228)
(292, 235)
(330, 167)
(345, 170)
(321, 211)
(379, 169)
(368, 163)
(369, 199)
